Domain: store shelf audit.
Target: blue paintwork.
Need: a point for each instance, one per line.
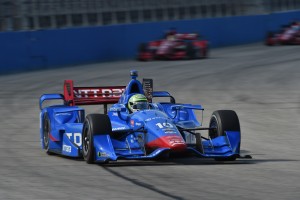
(64, 120)
(160, 94)
(235, 140)
(50, 97)
(156, 128)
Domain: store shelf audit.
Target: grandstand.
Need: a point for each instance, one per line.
(20, 15)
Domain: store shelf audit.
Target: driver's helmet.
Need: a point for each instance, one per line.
(138, 102)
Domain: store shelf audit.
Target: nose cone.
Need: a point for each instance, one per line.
(174, 142)
(161, 132)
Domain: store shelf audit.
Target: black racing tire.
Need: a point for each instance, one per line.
(190, 51)
(94, 124)
(223, 120)
(46, 133)
(269, 36)
(205, 52)
(143, 47)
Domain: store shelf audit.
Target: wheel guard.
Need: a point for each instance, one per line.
(222, 146)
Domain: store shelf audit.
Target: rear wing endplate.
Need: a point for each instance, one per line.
(149, 93)
(46, 97)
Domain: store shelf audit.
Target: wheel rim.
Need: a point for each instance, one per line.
(46, 134)
(86, 141)
(213, 124)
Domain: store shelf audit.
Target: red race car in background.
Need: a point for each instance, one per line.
(174, 46)
(288, 35)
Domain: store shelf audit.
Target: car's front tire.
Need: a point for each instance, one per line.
(223, 120)
(190, 51)
(94, 124)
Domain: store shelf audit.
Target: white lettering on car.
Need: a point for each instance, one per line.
(95, 92)
(67, 148)
(85, 93)
(75, 138)
(153, 118)
(118, 128)
(112, 92)
(164, 125)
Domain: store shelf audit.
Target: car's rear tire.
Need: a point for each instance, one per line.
(223, 120)
(269, 41)
(94, 124)
(46, 133)
(205, 52)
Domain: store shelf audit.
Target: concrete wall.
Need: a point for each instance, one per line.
(20, 51)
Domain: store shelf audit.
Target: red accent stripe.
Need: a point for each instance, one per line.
(52, 138)
(174, 142)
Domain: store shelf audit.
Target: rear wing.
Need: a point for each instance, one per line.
(91, 95)
(186, 36)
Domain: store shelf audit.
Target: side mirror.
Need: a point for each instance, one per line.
(122, 114)
(117, 109)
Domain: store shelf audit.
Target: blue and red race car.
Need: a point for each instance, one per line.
(133, 131)
(174, 46)
(289, 35)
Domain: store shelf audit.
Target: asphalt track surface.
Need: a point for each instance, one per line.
(262, 84)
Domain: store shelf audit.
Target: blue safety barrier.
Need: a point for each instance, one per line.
(41, 49)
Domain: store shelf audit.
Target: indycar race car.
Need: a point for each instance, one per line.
(288, 35)
(133, 129)
(173, 47)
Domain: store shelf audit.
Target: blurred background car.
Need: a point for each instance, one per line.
(174, 46)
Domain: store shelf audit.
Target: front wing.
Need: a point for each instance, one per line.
(220, 147)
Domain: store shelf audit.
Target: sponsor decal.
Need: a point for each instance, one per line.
(117, 109)
(94, 92)
(170, 131)
(67, 148)
(153, 118)
(132, 139)
(175, 140)
(138, 124)
(103, 154)
(132, 122)
(113, 109)
(115, 114)
(118, 128)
